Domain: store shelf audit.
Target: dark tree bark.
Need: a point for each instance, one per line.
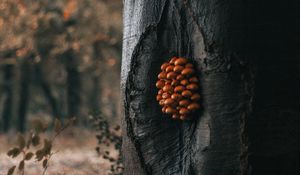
(246, 56)
(45, 86)
(73, 83)
(8, 102)
(5, 55)
(24, 94)
(95, 100)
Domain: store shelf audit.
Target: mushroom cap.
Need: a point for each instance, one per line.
(178, 88)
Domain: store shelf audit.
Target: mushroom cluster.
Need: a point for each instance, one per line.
(178, 88)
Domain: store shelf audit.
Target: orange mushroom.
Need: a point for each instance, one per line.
(178, 89)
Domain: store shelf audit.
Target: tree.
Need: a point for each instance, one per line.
(7, 88)
(71, 55)
(73, 84)
(24, 91)
(246, 54)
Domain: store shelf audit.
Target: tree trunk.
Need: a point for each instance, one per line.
(8, 90)
(95, 101)
(45, 86)
(73, 84)
(7, 57)
(246, 58)
(24, 94)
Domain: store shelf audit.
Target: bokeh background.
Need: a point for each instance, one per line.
(61, 59)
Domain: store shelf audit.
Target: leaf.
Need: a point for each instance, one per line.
(28, 156)
(45, 161)
(111, 159)
(37, 125)
(98, 149)
(117, 128)
(71, 121)
(21, 141)
(11, 170)
(57, 125)
(21, 165)
(39, 154)
(45, 127)
(35, 140)
(47, 146)
(29, 140)
(14, 152)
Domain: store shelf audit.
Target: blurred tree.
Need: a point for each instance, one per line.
(7, 108)
(7, 89)
(73, 83)
(247, 55)
(47, 90)
(26, 72)
(66, 68)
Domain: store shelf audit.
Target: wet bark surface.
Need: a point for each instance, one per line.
(232, 46)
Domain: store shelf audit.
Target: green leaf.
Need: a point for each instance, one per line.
(11, 170)
(35, 140)
(21, 141)
(45, 161)
(57, 125)
(28, 156)
(14, 152)
(21, 165)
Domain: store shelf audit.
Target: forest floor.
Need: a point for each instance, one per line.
(75, 155)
